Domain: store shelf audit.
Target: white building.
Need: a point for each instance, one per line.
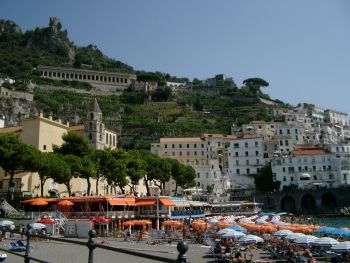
(207, 155)
(245, 160)
(336, 117)
(312, 167)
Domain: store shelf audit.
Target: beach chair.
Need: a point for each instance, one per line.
(21, 244)
(15, 247)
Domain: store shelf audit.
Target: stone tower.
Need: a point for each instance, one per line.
(94, 128)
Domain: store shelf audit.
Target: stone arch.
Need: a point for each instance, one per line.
(288, 204)
(308, 204)
(328, 201)
(269, 203)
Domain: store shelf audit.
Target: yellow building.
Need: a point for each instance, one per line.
(43, 133)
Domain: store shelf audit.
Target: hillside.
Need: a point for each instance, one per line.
(21, 52)
(141, 118)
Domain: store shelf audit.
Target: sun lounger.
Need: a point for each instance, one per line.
(15, 247)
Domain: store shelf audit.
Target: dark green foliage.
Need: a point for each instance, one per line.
(254, 84)
(161, 94)
(264, 181)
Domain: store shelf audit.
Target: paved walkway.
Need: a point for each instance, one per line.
(58, 252)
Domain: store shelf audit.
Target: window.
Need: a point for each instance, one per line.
(256, 153)
(246, 145)
(257, 161)
(286, 142)
(291, 169)
(281, 143)
(44, 147)
(256, 144)
(188, 146)
(198, 175)
(195, 145)
(202, 145)
(246, 153)
(284, 179)
(292, 178)
(248, 171)
(280, 131)
(236, 154)
(314, 168)
(299, 169)
(188, 153)
(284, 169)
(237, 162)
(237, 171)
(315, 177)
(288, 131)
(236, 145)
(165, 146)
(180, 145)
(247, 162)
(180, 153)
(305, 168)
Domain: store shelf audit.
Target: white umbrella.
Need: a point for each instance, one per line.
(235, 234)
(6, 223)
(341, 247)
(225, 231)
(294, 236)
(260, 221)
(324, 242)
(305, 240)
(230, 220)
(283, 233)
(250, 239)
(213, 220)
(37, 226)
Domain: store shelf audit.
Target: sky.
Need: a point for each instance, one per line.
(300, 47)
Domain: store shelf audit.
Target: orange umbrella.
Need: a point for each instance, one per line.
(129, 223)
(65, 203)
(30, 201)
(39, 202)
(142, 222)
(172, 223)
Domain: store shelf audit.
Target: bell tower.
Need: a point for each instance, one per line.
(94, 128)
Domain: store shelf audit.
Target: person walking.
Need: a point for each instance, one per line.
(12, 230)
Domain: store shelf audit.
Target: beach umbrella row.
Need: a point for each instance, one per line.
(250, 239)
(283, 233)
(4, 223)
(341, 247)
(324, 242)
(305, 240)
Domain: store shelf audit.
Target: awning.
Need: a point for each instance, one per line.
(117, 201)
(145, 202)
(130, 202)
(166, 202)
(182, 203)
(188, 216)
(198, 203)
(305, 175)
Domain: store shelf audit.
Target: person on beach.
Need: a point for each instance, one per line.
(12, 230)
(128, 234)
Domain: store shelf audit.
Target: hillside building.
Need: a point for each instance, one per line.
(101, 80)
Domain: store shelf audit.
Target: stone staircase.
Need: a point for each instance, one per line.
(9, 210)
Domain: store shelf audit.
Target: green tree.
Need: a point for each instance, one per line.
(183, 175)
(264, 180)
(116, 170)
(77, 146)
(136, 169)
(197, 105)
(254, 84)
(12, 153)
(66, 172)
(210, 189)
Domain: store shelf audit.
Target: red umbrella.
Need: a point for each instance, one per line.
(46, 221)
